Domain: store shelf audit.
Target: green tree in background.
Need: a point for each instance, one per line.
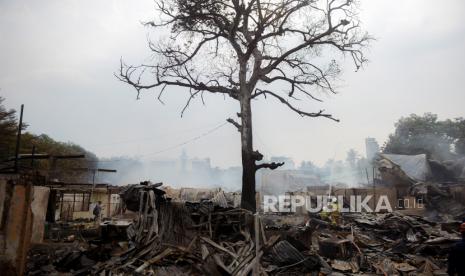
(416, 134)
(456, 128)
(8, 130)
(63, 170)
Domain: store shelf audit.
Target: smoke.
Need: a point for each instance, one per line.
(177, 173)
(185, 172)
(350, 174)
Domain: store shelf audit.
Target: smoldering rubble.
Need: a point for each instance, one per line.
(48, 227)
(211, 237)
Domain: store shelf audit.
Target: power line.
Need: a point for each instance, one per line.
(188, 141)
(198, 137)
(166, 134)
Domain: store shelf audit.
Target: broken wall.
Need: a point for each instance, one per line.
(39, 210)
(16, 223)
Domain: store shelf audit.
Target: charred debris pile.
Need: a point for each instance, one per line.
(208, 237)
(439, 184)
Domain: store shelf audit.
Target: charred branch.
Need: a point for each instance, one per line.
(257, 156)
(320, 113)
(252, 34)
(271, 166)
(234, 123)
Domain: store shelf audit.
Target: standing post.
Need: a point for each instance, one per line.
(109, 202)
(257, 244)
(94, 171)
(74, 203)
(52, 172)
(374, 185)
(18, 138)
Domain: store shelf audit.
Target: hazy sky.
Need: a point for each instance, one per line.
(58, 58)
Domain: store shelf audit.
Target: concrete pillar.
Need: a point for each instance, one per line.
(17, 228)
(39, 210)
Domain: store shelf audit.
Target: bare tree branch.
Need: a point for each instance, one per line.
(271, 166)
(298, 111)
(234, 123)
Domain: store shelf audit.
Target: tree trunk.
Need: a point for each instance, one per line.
(248, 200)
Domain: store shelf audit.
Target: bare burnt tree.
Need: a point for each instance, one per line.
(246, 50)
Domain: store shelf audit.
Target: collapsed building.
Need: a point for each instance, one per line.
(33, 209)
(47, 227)
(172, 236)
(440, 185)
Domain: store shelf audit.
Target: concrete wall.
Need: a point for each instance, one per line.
(3, 194)
(17, 220)
(39, 210)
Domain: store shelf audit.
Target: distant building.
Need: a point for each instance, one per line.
(372, 148)
(202, 165)
(183, 161)
(279, 182)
